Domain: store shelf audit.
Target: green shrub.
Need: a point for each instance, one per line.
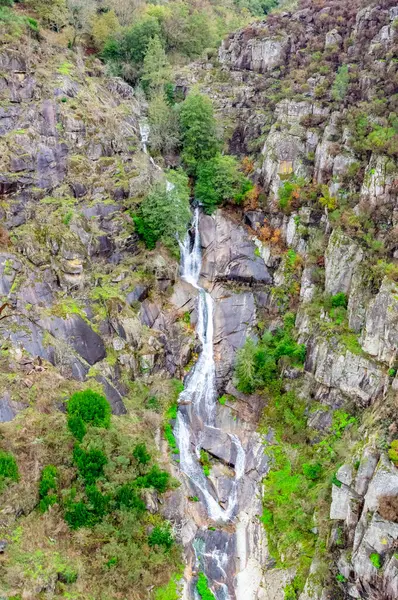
(141, 454)
(338, 300)
(170, 591)
(161, 536)
(128, 498)
(8, 467)
(164, 214)
(341, 83)
(393, 452)
(376, 561)
(78, 515)
(90, 464)
(203, 589)
(77, 427)
(205, 462)
(169, 435)
(156, 478)
(91, 407)
(219, 180)
(257, 362)
(198, 128)
(98, 502)
(340, 578)
(312, 471)
(48, 483)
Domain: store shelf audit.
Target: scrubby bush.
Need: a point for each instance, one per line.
(155, 478)
(165, 213)
(141, 454)
(341, 83)
(376, 561)
(48, 483)
(8, 468)
(388, 508)
(218, 180)
(338, 300)
(127, 497)
(91, 408)
(257, 362)
(161, 536)
(393, 452)
(203, 589)
(90, 464)
(78, 515)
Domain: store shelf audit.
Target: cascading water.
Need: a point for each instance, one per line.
(217, 551)
(200, 395)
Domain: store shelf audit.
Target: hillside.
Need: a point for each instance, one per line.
(198, 234)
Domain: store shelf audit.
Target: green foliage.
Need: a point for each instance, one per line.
(15, 24)
(48, 483)
(171, 591)
(155, 478)
(169, 435)
(133, 44)
(341, 83)
(376, 561)
(78, 515)
(8, 468)
(161, 536)
(77, 427)
(90, 464)
(163, 121)
(87, 407)
(258, 8)
(198, 128)
(156, 69)
(127, 497)
(218, 180)
(257, 362)
(339, 299)
(312, 471)
(164, 214)
(205, 462)
(340, 578)
(203, 589)
(141, 454)
(393, 452)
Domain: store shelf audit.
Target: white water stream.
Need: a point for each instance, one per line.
(200, 392)
(197, 404)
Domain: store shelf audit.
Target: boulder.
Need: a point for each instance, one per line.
(380, 334)
(341, 259)
(228, 252)
(341, 495)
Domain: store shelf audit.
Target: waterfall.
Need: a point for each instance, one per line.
(200, 393)
(197, 408)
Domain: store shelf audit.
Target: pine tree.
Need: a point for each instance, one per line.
(156, 68)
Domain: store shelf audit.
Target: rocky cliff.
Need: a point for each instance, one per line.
(310, 98)
(308, 95)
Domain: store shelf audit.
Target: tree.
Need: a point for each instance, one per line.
(87, 407)
(163, 121)
(165, 213)
(54, 13)
(105, 25)
(156, 68)
(126, 10)
(219, 179)
(198, 130)
(341, 83)
(81, 13)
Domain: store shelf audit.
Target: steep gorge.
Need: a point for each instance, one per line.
(89, 306)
